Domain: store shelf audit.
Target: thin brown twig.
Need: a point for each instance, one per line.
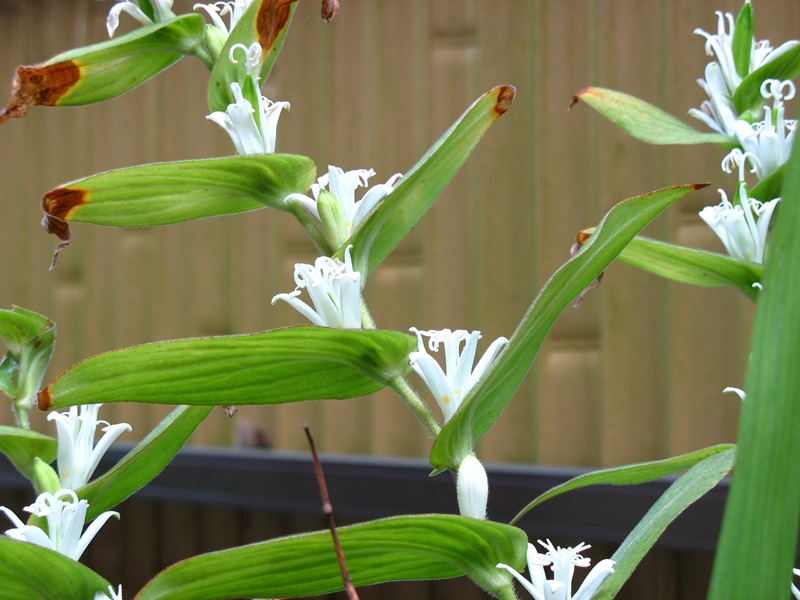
(327, 508)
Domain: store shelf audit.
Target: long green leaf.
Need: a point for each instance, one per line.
(30, 572)
(266, 21)
(644, 121)
(396, 549)
(742, 44)
(22, 446)
(692, 266)
(487, 400)
(386, 227)
(748, 98)
(688, 488)
(273, 367)
(102, 71)
(172, 192)
(757, 546)
(144, 462)
(627, 475)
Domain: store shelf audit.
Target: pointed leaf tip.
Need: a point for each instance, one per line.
(505, 97)
(40, 85)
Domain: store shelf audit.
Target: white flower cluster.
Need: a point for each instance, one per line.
(742, 225)
(64, 512)
(562, 562)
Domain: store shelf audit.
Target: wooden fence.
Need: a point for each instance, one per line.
(635, 373)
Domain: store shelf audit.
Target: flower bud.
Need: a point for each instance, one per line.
(333, 218)
(44, 477)
(472, 488)
(214, 39)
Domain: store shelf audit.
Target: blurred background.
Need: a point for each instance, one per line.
(635, 373)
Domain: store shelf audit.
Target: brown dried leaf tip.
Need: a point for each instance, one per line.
(329, 9)
(57, 205)
(40, 85)
(505, 97)
(271, 20)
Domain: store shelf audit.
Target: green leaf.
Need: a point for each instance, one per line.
(30, 572)
(144, 462)
(627, 475)
(273, 367)
(692, 266)
(487, 400)
(769, 188)
(30, 338)
(757, 546)
(103, 71)
(687, 489)
(742, 44)
(644, 121)
(389, 223)
(397, 549)
(171, 192)
(266, 21)
(748, 98)
(23, 446)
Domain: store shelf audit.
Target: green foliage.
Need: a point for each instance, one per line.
(688, 488)
(692, 266)
(748, 96)
(759, 531)
(266, 21)
(22, 447)
(391, 221)
(273, 367)
(172, 192)
(627, 475)
(644, 121)
(30, 572)
(144, 462)
(395, 549)
(487, 400)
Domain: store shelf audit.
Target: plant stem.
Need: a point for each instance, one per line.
(415, 403)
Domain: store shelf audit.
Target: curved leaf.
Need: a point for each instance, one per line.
(762, 514)
(396, 549)
(144, 462)
(22, 446)
(687, 489)
(266, 21)
(487, 400)
(627, 475)
(273, 367)
(747, 96)
(644, 121)
(692, 266)
(172, 192)
(388, 224)
(102, 71)
(30, 572)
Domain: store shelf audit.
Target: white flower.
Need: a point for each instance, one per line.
(334, 289)
(449, 387)
(217, 10)
(472, 488)
(65, 520)
(110, 594)
(562, 561)
(795, 591)
(253, 131)
(770, 140)
(742, 228)
(78, 456)
(721, 78)
(161, 8)
(342, 186)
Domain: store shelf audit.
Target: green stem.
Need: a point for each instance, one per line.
(21, 414)
(415, 403)
(310, 226)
